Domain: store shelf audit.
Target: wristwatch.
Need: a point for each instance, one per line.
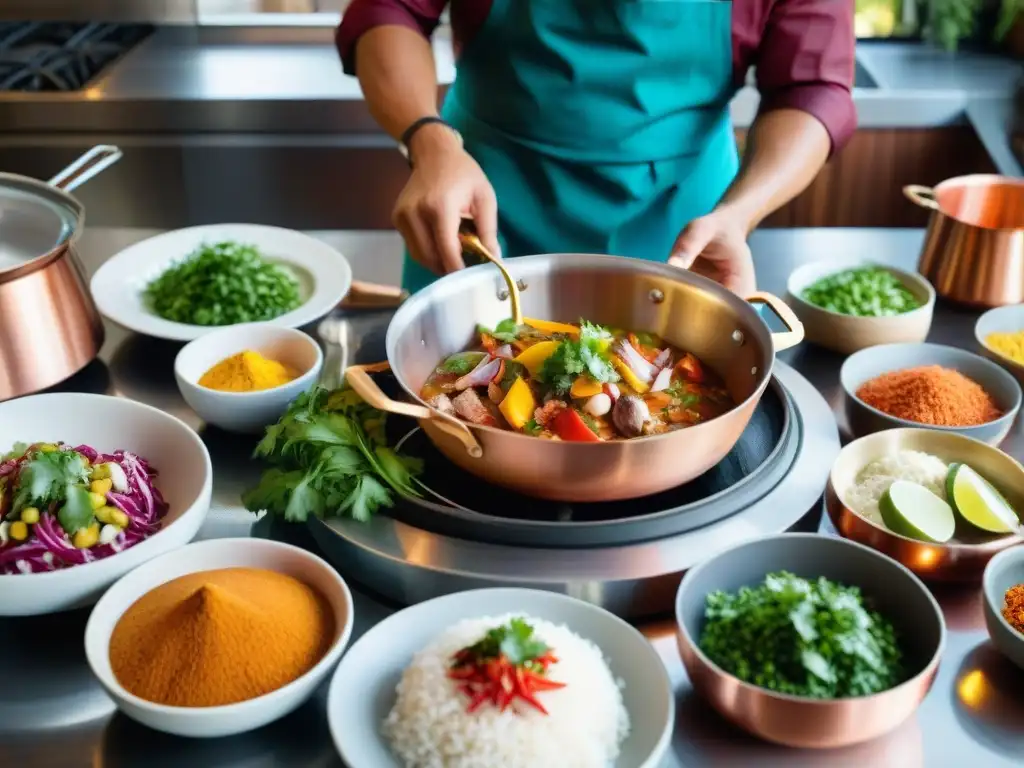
(403, 143)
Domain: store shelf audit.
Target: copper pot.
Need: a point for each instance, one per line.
(973, 251)
(687, 310)
(49, 326)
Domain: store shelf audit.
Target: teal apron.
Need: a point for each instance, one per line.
(603, 125)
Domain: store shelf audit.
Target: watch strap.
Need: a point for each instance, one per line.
(412, 130)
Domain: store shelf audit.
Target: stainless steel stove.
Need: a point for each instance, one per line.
(54, 56)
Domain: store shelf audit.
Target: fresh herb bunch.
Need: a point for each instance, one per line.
(330, 458)
(587, 354)
(801, 637)
(864, 292)
(223, 284)
(55, 478)
(515, 641)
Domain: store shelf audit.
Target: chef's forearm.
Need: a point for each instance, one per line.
(784, 151)
(395, 66)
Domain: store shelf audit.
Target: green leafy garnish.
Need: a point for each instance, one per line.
(532, 427)
(588, 354)
(330, 459)
(76, 512)
(802, 637)
(506, 331)
(515, 641)
(223, 284)
(461, 363)
(45, 477)
(590, 422)
(17, 450)
(862, 292)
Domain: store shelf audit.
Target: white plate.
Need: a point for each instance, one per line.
(324, 275)
(363, 689)
(108, 423)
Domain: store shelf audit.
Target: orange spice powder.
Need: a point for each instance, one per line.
(930, 395)
(1013, 608)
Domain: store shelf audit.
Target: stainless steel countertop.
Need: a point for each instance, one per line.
(289, 80)
(53, 714)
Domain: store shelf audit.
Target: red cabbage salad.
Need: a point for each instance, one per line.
(62, 506)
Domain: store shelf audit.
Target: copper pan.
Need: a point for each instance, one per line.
(973, 250)
(49, 326)
(964, 557)
(688, 310)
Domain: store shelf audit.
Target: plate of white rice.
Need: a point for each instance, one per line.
(392, 703)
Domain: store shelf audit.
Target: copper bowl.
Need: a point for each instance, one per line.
(793, 720)
(964, 557)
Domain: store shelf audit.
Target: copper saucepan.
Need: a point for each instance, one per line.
(49, 326)
(973, 250)
(687, 310)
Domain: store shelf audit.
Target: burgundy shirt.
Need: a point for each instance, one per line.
(803, 50)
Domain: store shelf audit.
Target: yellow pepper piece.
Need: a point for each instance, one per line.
(532, 358)
(548, 326)
(19, 531)
(86, 537)
(628, 376)
(519, 404)
(584, 386)
(102, 486)
(30, 515)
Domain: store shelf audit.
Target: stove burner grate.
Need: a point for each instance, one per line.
(48, 56)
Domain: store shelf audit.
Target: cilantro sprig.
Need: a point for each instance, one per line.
(330, 459)
(506, 331)
(514, 640)
(574, 357)
(812, 638)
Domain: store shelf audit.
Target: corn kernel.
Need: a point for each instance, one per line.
(101, 486)
(47, 447)
(30, 515)
(103, 514)
(86, 537)
(19, 531)
(97, 500)
(119, 518)
(99, 472)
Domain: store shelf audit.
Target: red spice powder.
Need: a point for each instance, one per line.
(932, 395)
(1013, 609)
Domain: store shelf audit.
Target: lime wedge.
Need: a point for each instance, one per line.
(977, 502)
(913, 511)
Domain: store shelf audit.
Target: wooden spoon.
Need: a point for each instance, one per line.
(470, 241)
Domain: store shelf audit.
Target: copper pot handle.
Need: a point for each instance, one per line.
(362, 295)
(922, 196)
(97, 159)
(781, 339)
(358, 377)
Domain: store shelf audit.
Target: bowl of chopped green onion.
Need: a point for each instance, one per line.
(848, 305)
(809, 641)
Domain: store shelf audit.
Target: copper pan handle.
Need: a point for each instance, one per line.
(373, 296)
(471, 243)
(97, 159)
(922, 196)
(781, 339)
(358, 377)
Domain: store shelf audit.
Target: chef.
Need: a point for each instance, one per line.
(603, 126)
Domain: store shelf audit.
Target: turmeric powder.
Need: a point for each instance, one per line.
(247, 372)
(220, 637)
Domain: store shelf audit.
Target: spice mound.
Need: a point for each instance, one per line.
(247, 372)
(932, 395)
(1008, 344)
(1013, 607)
(220, 637)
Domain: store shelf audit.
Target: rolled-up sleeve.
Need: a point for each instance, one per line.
(805, 61)
(363, 15)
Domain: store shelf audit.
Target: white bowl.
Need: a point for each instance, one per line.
(1007, 319)
(847, 334)
(324, 275)
(247, 412)
(208, 555)
(107, 424)
(363, 689)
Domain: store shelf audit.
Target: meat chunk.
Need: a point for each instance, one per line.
(469, 406)
(544, 415)
(443, 403)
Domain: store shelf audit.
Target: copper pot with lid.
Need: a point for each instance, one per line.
(49, 326)
(973, 250)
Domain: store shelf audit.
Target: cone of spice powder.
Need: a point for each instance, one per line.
(931, 395)
(220, 637)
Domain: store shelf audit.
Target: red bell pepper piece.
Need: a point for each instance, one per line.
(569, 425)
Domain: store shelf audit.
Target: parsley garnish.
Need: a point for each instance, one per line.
(803, 637)
(505, 331)
(330, 459)
(461, 363)
(514, 641)
(588, 354)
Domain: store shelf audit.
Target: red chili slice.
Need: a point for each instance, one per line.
(569, 425)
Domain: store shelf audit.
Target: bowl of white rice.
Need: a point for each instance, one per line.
(866, 468)
(393, 702)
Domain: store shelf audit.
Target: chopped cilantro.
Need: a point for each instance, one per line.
(532, 427)
(515, 641)
(461, 363)
(588, 354)
(505, 331)
(45, 477)
(76, 512)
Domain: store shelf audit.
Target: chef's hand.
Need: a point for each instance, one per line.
(715, 246)
(446, 185)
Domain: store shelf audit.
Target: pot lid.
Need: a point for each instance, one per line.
(35, 219)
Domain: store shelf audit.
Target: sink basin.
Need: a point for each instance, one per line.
(861, 78)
